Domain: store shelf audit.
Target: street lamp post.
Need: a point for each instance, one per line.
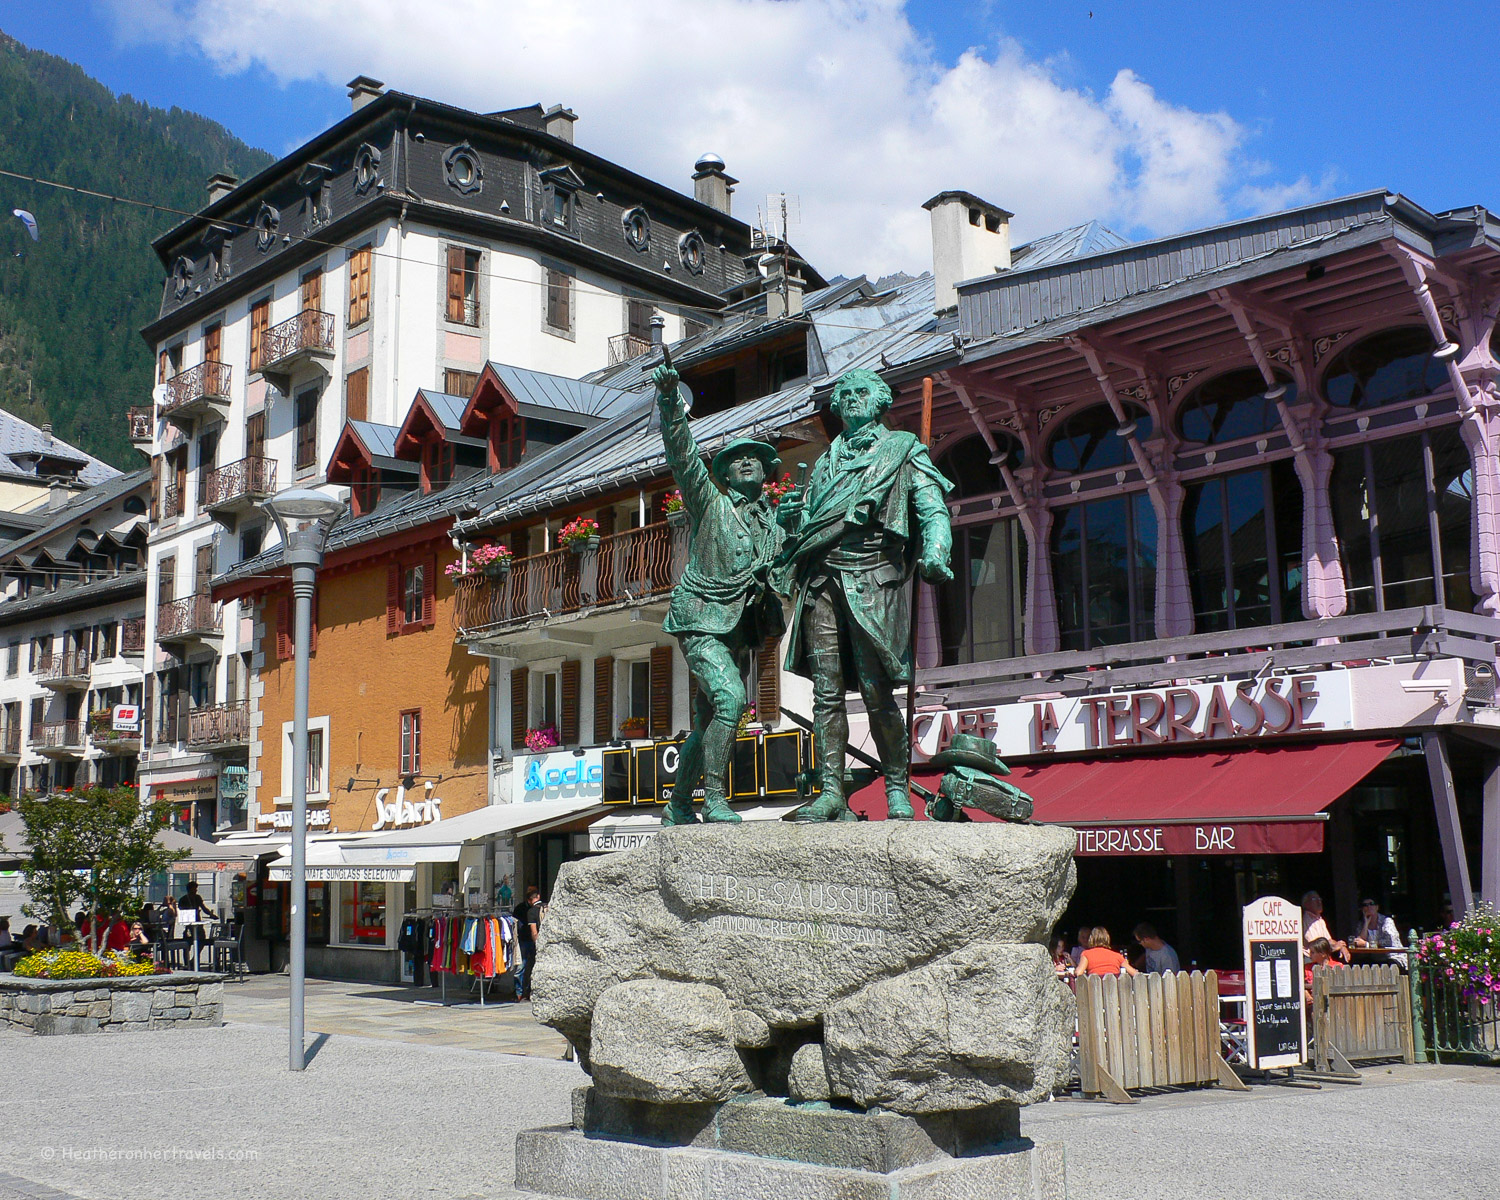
(304, 518)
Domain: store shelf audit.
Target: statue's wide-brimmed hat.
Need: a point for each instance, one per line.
(764, 450)
(970, 750)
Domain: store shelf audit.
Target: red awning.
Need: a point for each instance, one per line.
(1246, 800)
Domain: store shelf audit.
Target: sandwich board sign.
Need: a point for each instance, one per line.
(1275, 1018)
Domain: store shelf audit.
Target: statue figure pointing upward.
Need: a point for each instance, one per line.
(722, 609)
(872, 514)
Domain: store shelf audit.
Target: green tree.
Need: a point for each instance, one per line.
(96, 847)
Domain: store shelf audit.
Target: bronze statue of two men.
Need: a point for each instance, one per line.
(844, 549)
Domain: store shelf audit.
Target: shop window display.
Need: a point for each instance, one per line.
(362, 914)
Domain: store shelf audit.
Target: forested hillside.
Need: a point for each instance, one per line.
(72, 304)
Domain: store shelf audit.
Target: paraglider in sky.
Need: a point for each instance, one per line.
(27, 220)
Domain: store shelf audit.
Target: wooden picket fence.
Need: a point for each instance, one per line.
(1360, 1013)
(1149, 1031)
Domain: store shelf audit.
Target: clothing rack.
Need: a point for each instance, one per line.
(462, 913)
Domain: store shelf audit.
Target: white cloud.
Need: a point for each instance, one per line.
(839, 101)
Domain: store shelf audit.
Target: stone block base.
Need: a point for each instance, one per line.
(183, 1000)
(566, 1162)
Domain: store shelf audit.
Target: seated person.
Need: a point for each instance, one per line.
(140, 940)
(1159, 956)
(1319, 954)
(1101, 959)
(117, 935)
(5, 937)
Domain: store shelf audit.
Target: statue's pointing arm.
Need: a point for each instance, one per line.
(931, 507)
(683, 455)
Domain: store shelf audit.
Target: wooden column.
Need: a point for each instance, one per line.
(1489, 855)
(1450, 833)
(1343, 904)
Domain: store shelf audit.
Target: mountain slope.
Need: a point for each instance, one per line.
(71, 305)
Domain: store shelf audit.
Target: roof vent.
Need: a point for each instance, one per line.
(558, 121)
(970, 238)
(363, 89)
(712, 185)
(220, 185)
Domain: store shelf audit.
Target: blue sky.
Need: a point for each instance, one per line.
(1316, 100)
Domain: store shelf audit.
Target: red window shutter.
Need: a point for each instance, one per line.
(571, 679)
(392, 599)
(661, 692)
(455, 283)
(429, 592)
(283, 629)
(604, 699)
(312, 641)
(155, 490)
(518, 687)
(768, 681)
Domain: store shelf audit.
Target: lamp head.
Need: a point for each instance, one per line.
(305, 504)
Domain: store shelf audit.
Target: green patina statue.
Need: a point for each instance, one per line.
(722, 608)
(872, 514)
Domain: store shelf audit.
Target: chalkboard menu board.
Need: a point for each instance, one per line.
(1274, 1014)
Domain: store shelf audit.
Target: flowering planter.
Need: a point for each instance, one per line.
(678, 518)
(496, 570)
(181, 1000)
(582, 545)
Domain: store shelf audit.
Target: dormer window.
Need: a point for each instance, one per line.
(437, 464)
(561, 186)
(364, 489)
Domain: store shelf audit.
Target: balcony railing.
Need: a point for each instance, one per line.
(219, 725)
(133, 635)
(206, 381)
(70, 664)
(308, 330)
(104, 736)
(1403, 634)
(625, 346)
(58, 735)
(140, 419)
(172, 503)
(190, 617)
(240, 482)
(626, 568)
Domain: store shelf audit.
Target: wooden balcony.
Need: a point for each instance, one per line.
(191, 619)
(625, 346)
(294, 344)
(219, 727)
(10, 744)
(133, 636)
(239, 486)
(68, 671)
(599, 586)
(197, 392)
(142, 423)
(58, 739)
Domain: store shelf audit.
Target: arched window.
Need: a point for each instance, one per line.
(1088, 440)
(1389, 499)
(1231, 406)
(1104, 571)
(1243, 538)
(1385, 368)
(967, 465)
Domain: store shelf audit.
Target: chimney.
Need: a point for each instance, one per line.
(783, 287)
(57, 496)
(220, 185)
(970, 238)
(658, 329)
(47, 432)
(559, 122)
(712, 185)
(363, 89)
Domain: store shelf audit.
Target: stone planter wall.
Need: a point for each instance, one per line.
(184, 999)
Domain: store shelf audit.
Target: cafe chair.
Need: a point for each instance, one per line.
(229, 955)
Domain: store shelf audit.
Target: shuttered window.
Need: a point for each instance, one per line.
(312, 291)
(463, 285)
(768, 681)
(359, 286)
(604, 699)
(155, 490)
(357, 395)
(307, 430)
(460, 383)
(255, 435)
(411, 742)
(213, 343)
(568, 710)
(519, 682)
(411, 595)
(507, 440)
(286, 629)
(437, 464)
(661, 692)
(260, 322)
(559, 300)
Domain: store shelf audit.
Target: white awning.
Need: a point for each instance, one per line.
(626, 831)
(346, 873)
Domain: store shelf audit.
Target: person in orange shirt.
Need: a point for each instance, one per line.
(1101, 958)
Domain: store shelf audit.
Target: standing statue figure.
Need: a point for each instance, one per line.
(722, 608)
(872, 513)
